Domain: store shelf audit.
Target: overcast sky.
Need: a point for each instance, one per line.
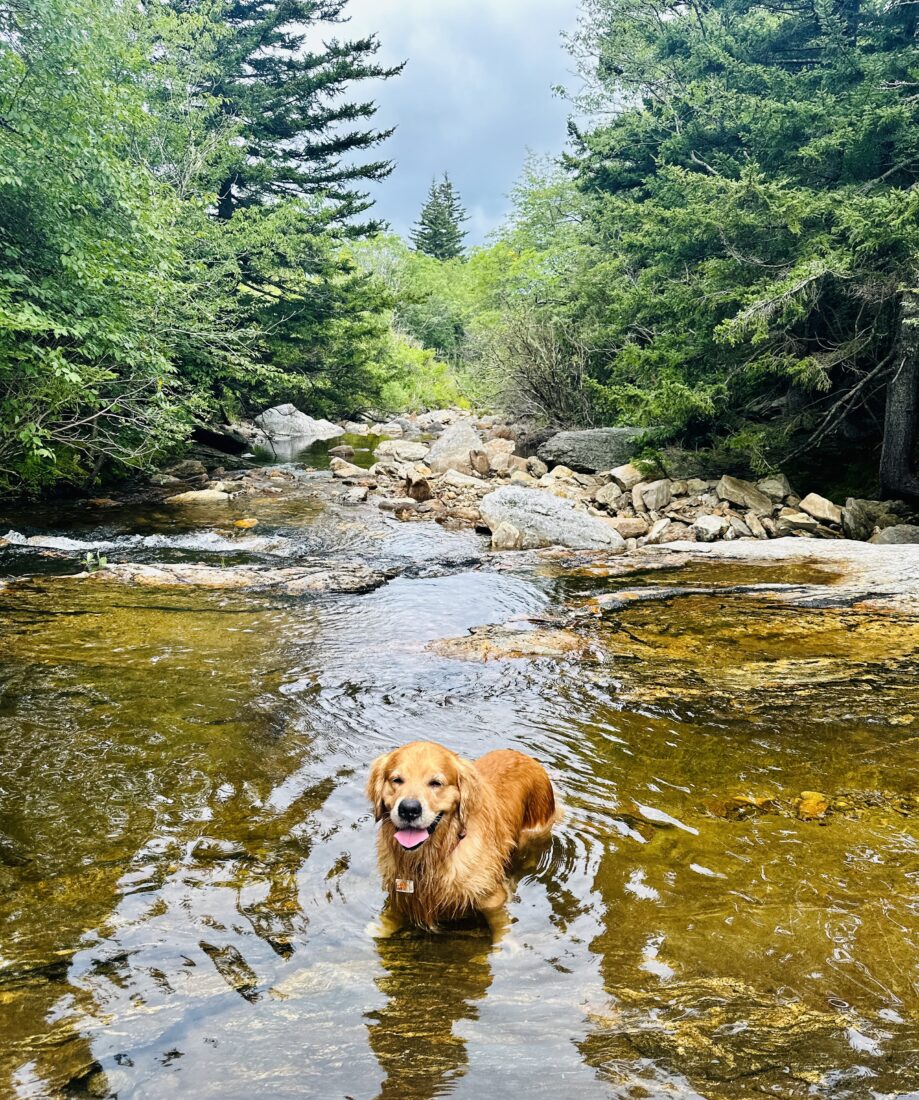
(475, 96)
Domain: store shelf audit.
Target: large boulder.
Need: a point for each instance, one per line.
(745, 494)
(402, 450)
(899, 535)
(860, 517)
(452, 449)
(821, 508)
(590, 450)
(287, 422)
(545, 520)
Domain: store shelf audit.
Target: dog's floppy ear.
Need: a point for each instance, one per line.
(376, 782)
(470, 790)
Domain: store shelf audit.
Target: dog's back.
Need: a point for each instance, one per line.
(526, 797)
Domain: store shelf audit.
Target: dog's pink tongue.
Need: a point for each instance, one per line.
(411, 838)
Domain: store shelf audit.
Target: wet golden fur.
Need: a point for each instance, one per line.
(489, 807)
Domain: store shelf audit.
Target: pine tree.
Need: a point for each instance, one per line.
(751, 232)
(300, 132)
(287, 176)
(439, 231)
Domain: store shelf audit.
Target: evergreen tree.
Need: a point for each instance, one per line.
(439, 231)
(300, 131)
(752, 221)
(288, 181)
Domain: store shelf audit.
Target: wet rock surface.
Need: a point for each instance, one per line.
(302, 580)
(513, 641)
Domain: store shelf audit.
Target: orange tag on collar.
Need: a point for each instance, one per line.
(405, 886)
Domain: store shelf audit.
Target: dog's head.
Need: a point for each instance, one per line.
(420, 787)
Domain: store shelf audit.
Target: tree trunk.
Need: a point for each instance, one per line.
(226, 202)
(898, 477)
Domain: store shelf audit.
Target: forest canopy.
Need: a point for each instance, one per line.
(726, 254)
(177, 184)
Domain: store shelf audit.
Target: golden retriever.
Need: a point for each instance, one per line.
(450, 826)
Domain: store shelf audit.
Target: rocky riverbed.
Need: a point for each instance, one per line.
(192, 688)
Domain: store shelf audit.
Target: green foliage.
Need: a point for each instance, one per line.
(91, 280)
(473, 313)
(415, 379)
(131, 303)
(439, 231)
(94, 562)
(284, 96)
(751, 216)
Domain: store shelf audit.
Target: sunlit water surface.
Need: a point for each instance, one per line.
(187, 877)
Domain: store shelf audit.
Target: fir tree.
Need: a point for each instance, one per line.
(288, 182)
(300, 130)
(439, 231)
(753, 244)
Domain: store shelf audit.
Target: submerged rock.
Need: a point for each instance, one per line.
(301, 580)
(590, 450)
(546, 520)
(812, 805)
(512, 642)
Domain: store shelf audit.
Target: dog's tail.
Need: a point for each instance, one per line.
(542, 809)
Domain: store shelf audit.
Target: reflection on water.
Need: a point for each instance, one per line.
(315, 452)
(431, 984)
(188, 893)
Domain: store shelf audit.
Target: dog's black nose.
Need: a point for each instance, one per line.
(409, 809)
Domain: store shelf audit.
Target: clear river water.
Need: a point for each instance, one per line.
(187, 874)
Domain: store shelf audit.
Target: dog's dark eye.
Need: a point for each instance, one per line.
(435, 783)
(396, 781)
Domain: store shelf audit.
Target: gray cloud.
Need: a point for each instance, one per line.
(475, 96)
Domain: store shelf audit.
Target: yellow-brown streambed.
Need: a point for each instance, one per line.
(187, 881)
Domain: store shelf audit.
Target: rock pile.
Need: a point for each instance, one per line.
(457, 468)
(458, 479)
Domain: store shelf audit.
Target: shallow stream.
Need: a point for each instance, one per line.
(187, 876)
